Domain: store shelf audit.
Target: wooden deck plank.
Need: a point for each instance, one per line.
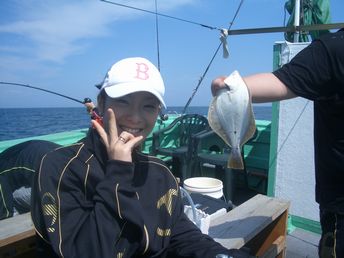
(15, 229)
(257, 223)
(17, 237)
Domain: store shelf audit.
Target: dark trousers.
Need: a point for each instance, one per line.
(332, 238)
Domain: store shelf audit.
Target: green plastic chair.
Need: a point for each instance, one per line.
(175, 141)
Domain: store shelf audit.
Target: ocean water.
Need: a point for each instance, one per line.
(27, 122)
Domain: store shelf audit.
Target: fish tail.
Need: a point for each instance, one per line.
(235, 160)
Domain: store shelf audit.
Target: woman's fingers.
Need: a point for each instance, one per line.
(125, 144)
(129, 140)
(119, 147)
(103, 135)
(112, 130)
(136, 141)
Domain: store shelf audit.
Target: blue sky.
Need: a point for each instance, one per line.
(67, 45)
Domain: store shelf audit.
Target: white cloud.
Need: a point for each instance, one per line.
(53, 30)
(21, 69)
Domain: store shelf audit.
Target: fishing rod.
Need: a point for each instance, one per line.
(94, 111)
(94, 115)
(212, 59)
(86, 100)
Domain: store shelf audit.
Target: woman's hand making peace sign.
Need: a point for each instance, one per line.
(119, 147)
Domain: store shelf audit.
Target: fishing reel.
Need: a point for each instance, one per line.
(87, 100)
(93, 111)
(163, 117)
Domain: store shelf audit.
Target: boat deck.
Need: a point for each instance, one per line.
(300, 243)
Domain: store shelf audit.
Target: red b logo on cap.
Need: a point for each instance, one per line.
(142, 71)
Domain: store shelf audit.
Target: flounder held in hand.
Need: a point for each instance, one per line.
(231, 116)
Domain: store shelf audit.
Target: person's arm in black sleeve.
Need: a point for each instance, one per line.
(321, 63)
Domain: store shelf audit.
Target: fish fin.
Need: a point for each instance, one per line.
(235, 160)
(250, 132)
(251, 129)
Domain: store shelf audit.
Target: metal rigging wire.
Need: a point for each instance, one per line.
(157, 32)
(160, 14)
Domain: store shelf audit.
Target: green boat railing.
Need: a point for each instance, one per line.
(256, 151)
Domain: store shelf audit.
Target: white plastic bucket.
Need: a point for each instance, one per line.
(205, 185)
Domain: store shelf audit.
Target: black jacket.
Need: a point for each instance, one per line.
(86, 206)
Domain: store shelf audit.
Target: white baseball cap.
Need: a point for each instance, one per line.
(131, 75)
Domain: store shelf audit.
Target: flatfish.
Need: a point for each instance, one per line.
(231, 116)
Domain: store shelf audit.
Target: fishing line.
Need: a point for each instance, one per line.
(273, 160)
(163, 116)
(212, 59)
(49, 91)
(157, 33)
(160, 14)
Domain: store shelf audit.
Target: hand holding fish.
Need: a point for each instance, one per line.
(217, 84)
(231, 116)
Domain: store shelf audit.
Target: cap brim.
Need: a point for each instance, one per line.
(123, 89)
